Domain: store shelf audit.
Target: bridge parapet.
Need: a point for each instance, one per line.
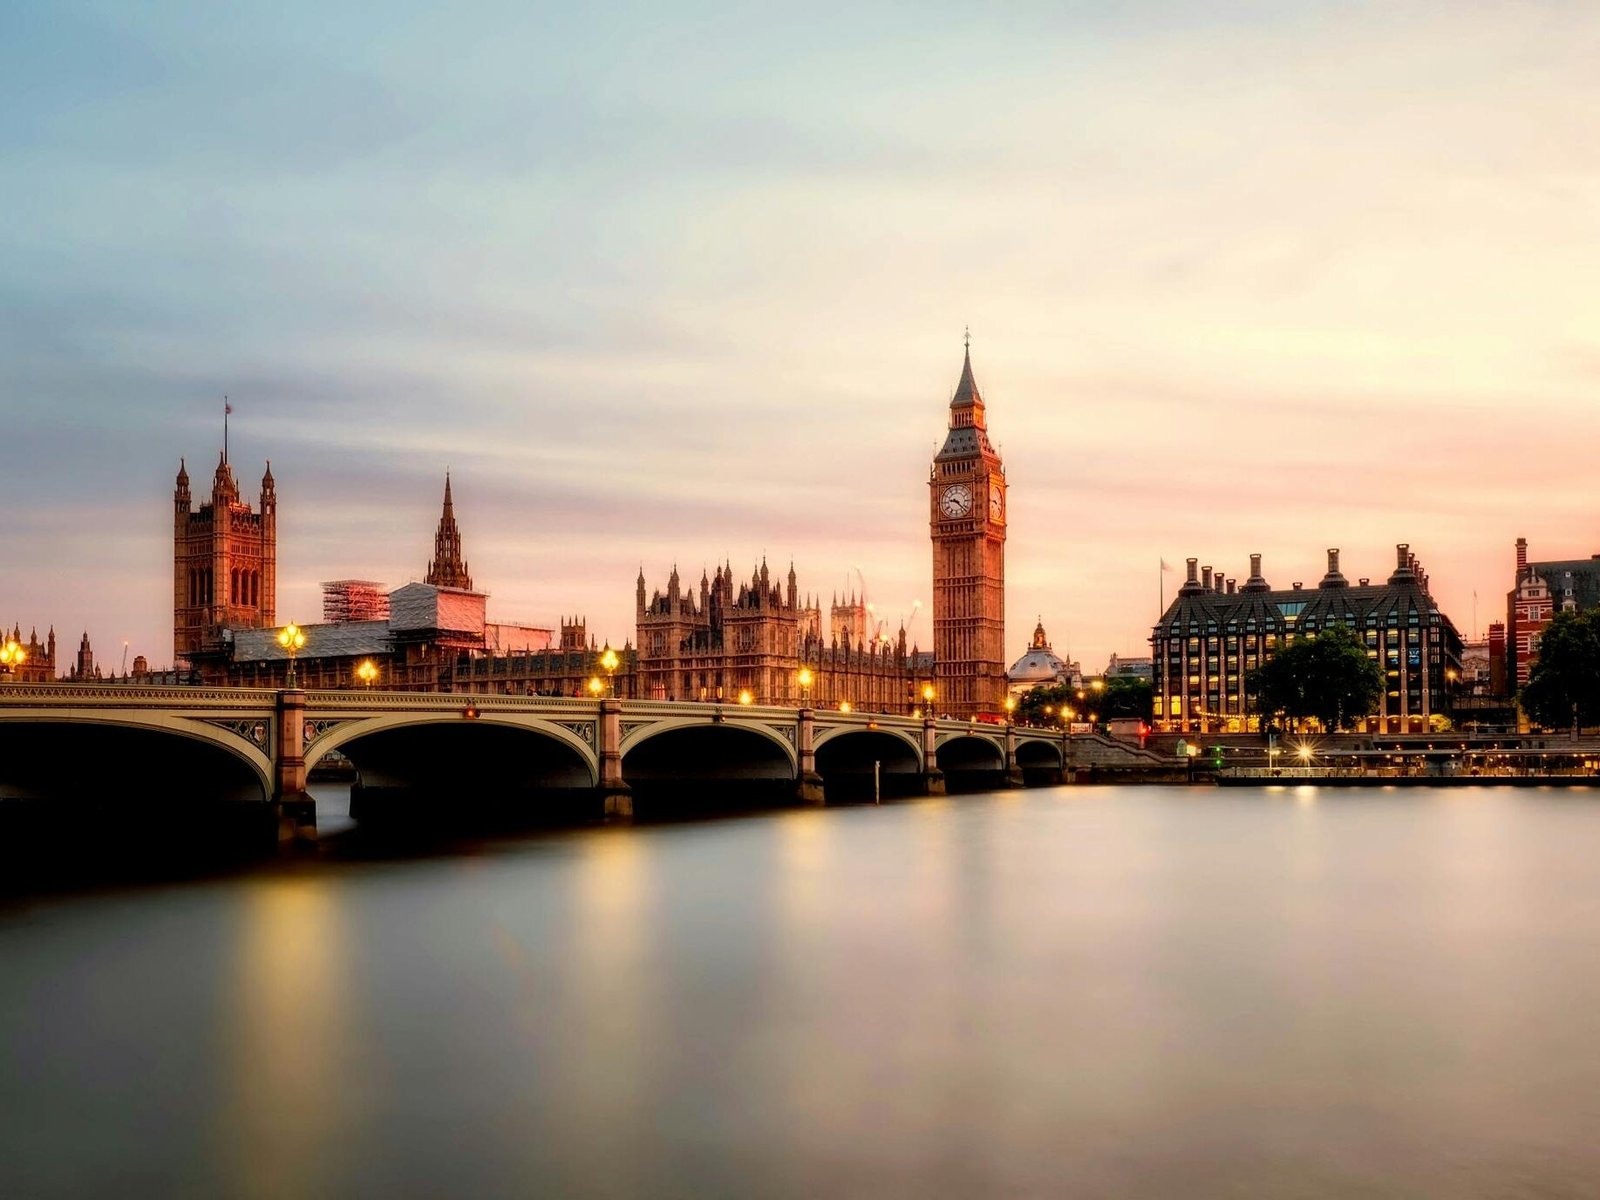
(134, 695)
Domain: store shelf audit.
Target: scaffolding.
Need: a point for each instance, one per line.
(354, 600)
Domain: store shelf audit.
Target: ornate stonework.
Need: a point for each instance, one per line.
(967, 520)
(224, 562)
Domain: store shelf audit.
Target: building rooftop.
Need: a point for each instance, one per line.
(344, 639)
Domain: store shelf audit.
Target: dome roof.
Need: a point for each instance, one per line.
(1039, 665)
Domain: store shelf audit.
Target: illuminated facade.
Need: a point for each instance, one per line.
(224, 562)
(967, 523)
(1215, 632)
(753, 637)
(39, 663)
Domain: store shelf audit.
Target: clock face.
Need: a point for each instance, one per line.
(956, 500)
(997, 502)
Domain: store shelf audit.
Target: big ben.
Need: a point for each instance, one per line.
(967, 519)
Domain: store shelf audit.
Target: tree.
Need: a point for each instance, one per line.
(1122, 696)
(1030, 709)
(1326, 676)
(1564, 687)
(1126, 696)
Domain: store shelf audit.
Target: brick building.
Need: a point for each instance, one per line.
(1540, 590)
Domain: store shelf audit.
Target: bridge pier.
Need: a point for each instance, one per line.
(1014, 776)
(808, 787)
(932, 777)
(616, 797)
(297, 811)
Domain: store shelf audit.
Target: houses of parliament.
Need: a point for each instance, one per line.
(730, 638)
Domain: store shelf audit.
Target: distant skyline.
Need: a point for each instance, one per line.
(686, 283)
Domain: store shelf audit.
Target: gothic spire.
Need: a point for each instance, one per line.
(967, 387)
(448, 568)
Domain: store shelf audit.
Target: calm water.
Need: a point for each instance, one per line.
(1086, 992)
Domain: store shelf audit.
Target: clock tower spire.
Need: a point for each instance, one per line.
(967, 520)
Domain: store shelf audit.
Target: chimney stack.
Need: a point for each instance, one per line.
(1205, 578)
(1192, 563)
(1522, 556)
(1231, 582)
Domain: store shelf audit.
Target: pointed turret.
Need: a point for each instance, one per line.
(968, 436)
(224, 490)
(448, 568)
(966, 386)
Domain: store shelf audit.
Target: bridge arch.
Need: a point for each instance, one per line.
(634, 738)
(495, 770)
(862, 762)
(971, 761)
(1043, 753)
(681, 764)
(343, 733)
(911, 738)
(125, 753)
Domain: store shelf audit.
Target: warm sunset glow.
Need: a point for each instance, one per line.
(1320, 294)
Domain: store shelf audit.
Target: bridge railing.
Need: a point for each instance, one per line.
(135, 695)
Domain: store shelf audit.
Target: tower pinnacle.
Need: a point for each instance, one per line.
(448, 568)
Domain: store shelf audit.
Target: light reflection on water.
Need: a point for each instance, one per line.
(285, 1017)
(1095, 992)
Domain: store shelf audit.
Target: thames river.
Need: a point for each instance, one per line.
(1086, 992)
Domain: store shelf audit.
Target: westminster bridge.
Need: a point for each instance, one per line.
(596, 757)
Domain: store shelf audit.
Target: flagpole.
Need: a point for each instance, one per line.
(226, 409)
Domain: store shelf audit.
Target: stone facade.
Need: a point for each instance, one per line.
(751, 638)
(39, 665)
(224, 562)
(967, 521)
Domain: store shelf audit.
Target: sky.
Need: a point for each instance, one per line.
(686, 283)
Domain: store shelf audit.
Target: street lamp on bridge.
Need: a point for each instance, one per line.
(12, 656)
(609, 660)
(804, 679)
(292, 638)
(595, 686)
(367, 672)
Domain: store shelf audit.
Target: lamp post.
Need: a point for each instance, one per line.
(292, 638)
(367, 672)
(608, 660)
(804, 678)
(844, 706)
(595, 686)
(745, 697)
(12, 656)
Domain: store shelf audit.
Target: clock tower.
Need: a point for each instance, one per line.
(967, 518)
